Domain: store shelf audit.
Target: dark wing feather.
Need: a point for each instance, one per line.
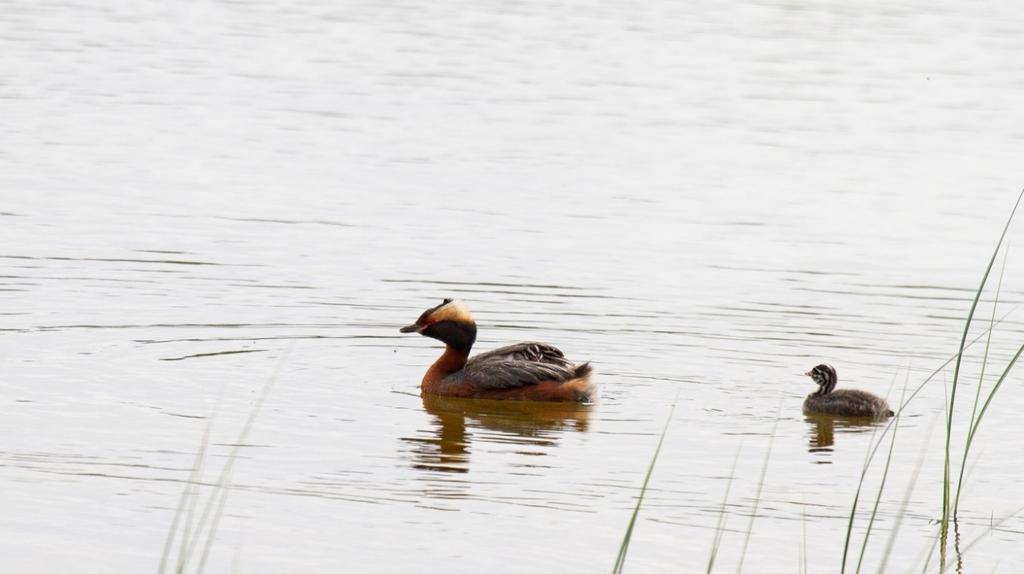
(512, 373)
(525, 351)
(520, 365)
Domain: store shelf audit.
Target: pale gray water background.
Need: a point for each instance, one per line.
(704, 199)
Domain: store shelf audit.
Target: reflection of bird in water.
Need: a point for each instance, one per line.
(456, 419)
(524, 371)
(822, 429)
(844, 402)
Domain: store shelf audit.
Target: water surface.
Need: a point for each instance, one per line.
(704, 200)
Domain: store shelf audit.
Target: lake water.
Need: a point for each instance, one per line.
(705, 200)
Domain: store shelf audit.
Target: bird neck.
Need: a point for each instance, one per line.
(827, 386)
(451, 361)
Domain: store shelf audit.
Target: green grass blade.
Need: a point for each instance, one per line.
(928, 379)
(988, 340)
(992, 526)
(918, 389)
(984, 408)
(981, 380)
(872, 447)
(885, 475)
(186, 535)
(188, 495)
(905, 502)
(190, 517)
(620, 560)
(956, 369)
(224, 483)
(760, 488)
(720, 527)
(942, 367)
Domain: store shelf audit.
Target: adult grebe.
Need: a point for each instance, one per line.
(526, 371)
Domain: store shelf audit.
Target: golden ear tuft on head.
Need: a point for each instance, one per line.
(452, 310)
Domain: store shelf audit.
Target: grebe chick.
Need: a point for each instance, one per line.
(526, 371)
(844, 402)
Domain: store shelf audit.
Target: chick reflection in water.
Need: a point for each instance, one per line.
(458, 421)
(822, 429)
(850, 410)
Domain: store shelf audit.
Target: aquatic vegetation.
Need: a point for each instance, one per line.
(946, 504)
(948, 510)
(760, 488)
(720, 527)
(881, 486)
(620, 560)
(192, 531)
